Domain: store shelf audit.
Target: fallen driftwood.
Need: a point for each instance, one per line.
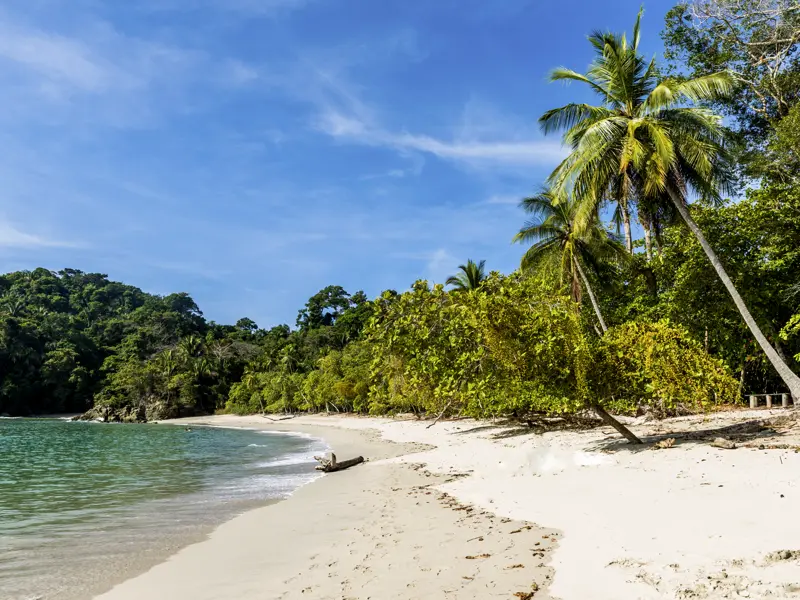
(281, 419)
(330, 465)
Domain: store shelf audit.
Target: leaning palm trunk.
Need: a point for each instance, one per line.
(791, 380)
(609, 420)
(589, 291)
(601, 412)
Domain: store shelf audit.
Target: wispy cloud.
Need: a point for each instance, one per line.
(90, 73)
(509, 199)
(12, 237)
(483, 137)
(537, 152)
(56, 58)
(440, 264)
(250, 8)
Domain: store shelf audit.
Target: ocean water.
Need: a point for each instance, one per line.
(85, 505)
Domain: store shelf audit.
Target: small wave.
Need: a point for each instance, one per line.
(297, 434)
(290, 460)
(267, 486)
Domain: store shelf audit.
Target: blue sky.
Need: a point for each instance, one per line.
(251, 152)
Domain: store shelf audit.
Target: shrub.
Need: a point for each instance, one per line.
(510, 347)
(660, 366)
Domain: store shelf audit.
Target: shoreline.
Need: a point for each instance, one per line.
(377, 530)
(624, 522)
(85, 545)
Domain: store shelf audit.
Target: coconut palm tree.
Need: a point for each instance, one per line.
(648, 139)
(557, 242)
(471, 276)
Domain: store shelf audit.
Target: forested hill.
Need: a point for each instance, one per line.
(64, 336)
(71, 340)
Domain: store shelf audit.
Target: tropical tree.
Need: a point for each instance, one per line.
(470, 278)
(557, 242)
(756, 41)
(649, 132)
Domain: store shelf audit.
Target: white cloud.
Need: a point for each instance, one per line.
(53, 57)
(88, 74)
(260, 7)
(249, 8)
(508, 199)
(12, 237)
(240, 73)
(532, 152)
(439, 264)
(484, 137)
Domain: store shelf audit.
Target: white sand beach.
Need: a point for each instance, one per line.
(611, 521)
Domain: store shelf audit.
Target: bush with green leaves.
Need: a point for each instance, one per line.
(660, 366)
(513, 346)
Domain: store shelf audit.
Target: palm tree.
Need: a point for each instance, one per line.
(647, 140)
(557, 242)
(168, 365)
(471, 276)
(190, 348)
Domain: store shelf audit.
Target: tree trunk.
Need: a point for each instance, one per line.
(791, 380)
(626, 224)
(591, 295)
(741, 378)
(647, 227)
(609, 420)
(648, 242)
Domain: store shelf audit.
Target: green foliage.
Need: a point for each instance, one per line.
(71, 340)
(660, 366)
(512, 347)
(758, 241)
(781, 161)
(757, 42)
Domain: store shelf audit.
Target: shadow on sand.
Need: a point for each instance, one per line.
(755, 433)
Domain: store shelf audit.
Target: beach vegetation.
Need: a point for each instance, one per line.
(696, 305)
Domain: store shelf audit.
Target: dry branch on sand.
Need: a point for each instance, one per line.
(331, 465)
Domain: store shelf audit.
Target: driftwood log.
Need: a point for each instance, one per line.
(331, 465)
(281, 419)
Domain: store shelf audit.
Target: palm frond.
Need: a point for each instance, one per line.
(567, 117)
(564, 74)
(637, 30)
(707, 87)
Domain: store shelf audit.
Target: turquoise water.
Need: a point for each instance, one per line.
(86, 504)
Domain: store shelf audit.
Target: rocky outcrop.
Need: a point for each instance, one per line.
(155, 410)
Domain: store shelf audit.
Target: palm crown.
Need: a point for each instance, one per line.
(642, 142)
(471, 276)
(556, 241)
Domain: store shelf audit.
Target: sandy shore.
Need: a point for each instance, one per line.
(380, 530)
(689, 521)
